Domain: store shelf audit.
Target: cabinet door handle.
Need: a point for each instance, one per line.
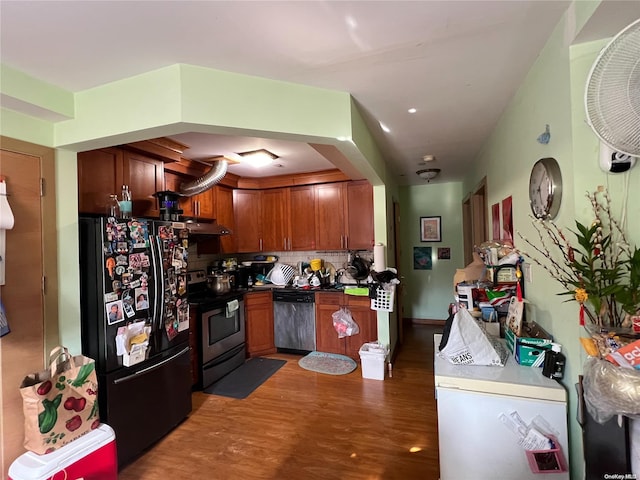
(260, 244)
(346, 241)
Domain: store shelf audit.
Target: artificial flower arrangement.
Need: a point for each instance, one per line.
(602, 274)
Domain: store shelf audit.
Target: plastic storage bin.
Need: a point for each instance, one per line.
(92, 456)
(384, 299)
(372, 356)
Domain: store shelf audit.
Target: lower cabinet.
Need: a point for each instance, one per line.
(326, 336)
(259, 323)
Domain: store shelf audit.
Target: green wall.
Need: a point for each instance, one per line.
(172, 100)
(428, 293)
(552, 94)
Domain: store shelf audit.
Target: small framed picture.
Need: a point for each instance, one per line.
(430, 229)
(444, 253)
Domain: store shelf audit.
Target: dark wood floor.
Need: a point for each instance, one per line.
(305, 425)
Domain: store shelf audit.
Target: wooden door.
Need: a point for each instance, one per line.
(223, 200)
(275, 219)
(100, 174)
(22, 349)
(359, 200)
(326, 336)
(145, 177)
(302, 218)
(330, 216)
(247, 214)
(259, 323)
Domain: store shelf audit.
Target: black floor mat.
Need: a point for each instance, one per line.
(246, 378)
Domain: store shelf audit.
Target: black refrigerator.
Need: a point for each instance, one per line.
(135, 325)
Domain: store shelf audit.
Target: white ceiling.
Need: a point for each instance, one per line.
(457, 62)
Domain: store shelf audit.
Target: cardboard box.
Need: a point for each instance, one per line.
(526, 348)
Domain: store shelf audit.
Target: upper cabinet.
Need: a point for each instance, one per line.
(201, 206)
(248, 220)
(359, 215)
(223, 202)
(344, 216)
(102, 173)
(302, 218)
(329, 216)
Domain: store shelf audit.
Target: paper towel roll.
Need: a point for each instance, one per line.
(6, 215)
(378, 258)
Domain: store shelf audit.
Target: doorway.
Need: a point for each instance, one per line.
(475, 228)
(29, 294)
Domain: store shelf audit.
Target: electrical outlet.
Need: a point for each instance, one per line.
(526, 269)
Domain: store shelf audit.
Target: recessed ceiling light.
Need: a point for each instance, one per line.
(412, 110)
(429, 158)
(384, 128)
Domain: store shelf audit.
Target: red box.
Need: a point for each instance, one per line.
(90, 457)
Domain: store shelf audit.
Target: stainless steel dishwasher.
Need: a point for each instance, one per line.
(294, 320)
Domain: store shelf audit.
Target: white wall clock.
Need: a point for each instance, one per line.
(545, 188)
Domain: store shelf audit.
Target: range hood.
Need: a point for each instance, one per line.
(205, 228)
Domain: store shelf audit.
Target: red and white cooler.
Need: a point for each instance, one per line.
(90, 457)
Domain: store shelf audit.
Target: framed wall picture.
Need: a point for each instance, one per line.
(430, 229)
(422, 258)
(444, 253)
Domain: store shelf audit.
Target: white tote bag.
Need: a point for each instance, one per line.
(469, 344)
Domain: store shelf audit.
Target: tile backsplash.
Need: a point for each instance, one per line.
(338, 259)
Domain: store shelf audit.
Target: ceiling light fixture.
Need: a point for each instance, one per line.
(258, 158)
(429, 158)
(428, 174)
(384, 128)
(412, 110)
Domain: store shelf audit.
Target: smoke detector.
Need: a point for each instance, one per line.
(428, 173)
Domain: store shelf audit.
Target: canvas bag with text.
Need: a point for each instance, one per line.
(61, 403)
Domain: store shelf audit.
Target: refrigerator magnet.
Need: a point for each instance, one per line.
(117, 286)
(110, 297)
(110, 263)
(114, 312)
(122, 260)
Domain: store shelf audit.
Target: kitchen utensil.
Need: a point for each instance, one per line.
(219, 283)
(281, 274)
(359, 268)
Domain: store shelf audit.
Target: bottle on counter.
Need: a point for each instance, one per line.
(125, 203)
(250, 282)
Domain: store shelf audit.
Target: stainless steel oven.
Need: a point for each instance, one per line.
(220, 333)
(222, 340)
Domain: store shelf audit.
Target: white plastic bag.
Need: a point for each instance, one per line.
(469, 344)
(344, 324)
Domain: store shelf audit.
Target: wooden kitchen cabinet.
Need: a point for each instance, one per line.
(330, 216)
(275, 228)
(103, 172)
(359, 215)
(224, 215)
(326, 336)
(262, 220)
(201, 206)
(259, 323)
(247, 213)
(99, 172)
(344, 216)
(302, 218)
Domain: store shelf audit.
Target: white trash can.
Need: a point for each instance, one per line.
(372, 357)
